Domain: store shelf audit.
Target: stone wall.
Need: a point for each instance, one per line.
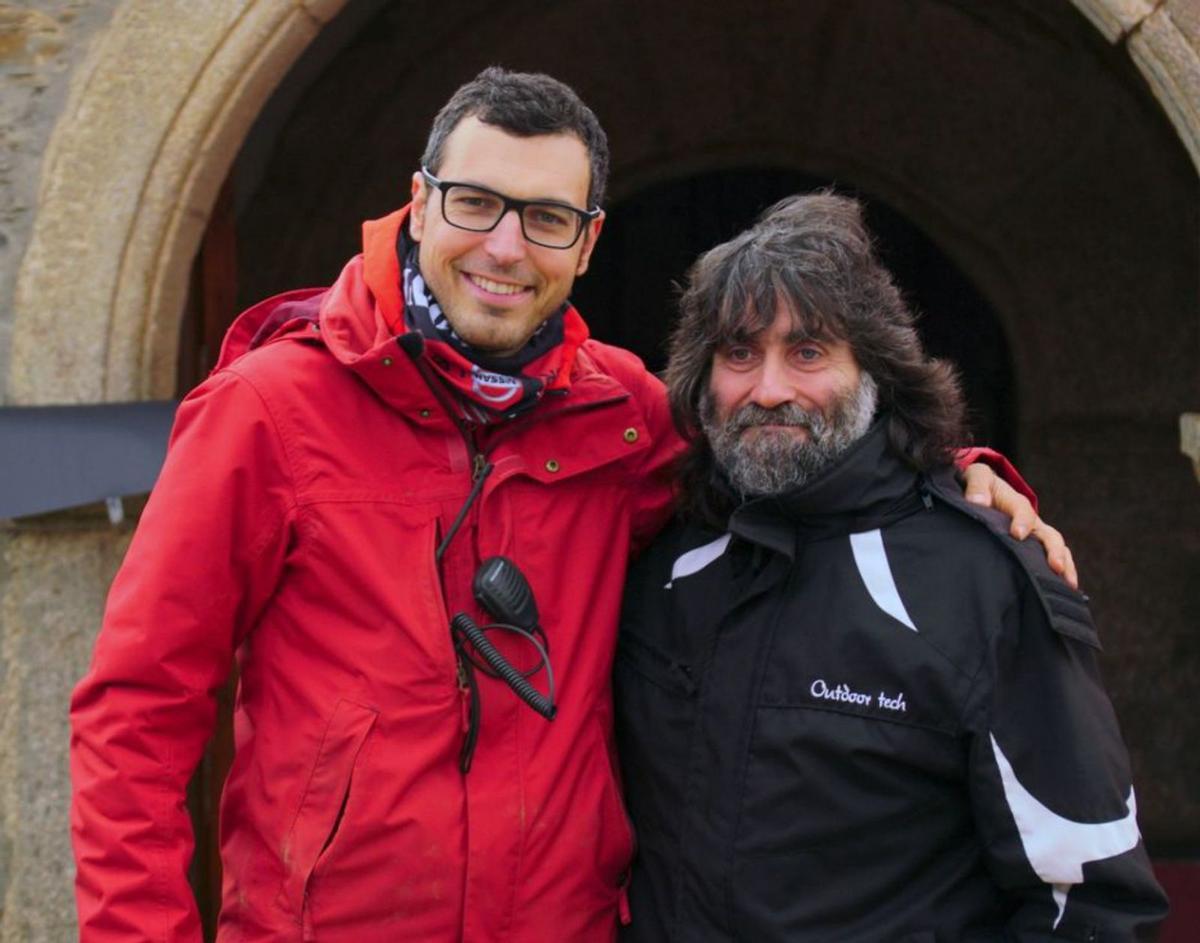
(54, 574)
(42, 47)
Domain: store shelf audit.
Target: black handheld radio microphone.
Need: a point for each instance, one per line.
(501, 589)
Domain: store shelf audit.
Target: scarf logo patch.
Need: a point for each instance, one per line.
(494, 387)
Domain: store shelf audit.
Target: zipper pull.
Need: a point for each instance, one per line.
(926, 490)
(464, 696)
(482, 467)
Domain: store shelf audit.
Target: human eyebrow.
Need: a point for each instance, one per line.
(800, 335)
(548, 200)
(738, 337)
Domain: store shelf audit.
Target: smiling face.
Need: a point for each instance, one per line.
(780, 406)
(496, 288)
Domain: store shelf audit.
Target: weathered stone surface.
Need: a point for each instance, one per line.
(40, 46)
(156, 114)
(1115, 18)
(1189, 438)
(183, 183)
(1186, 16)
(52, 585)
(1170, 60)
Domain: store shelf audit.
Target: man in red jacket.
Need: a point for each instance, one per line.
(329, 495)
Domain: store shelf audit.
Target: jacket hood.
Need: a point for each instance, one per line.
(363, 309)
(271, 318)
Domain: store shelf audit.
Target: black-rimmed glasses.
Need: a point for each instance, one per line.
(478, 209)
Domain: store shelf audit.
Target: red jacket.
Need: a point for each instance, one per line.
(307, 483)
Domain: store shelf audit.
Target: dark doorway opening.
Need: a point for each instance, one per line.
(651, 237)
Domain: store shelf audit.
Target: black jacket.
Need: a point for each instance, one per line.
(865, 714)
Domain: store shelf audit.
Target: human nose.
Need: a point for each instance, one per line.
(506, 242)
(773, 385)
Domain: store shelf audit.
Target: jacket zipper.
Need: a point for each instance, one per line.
(468, 693)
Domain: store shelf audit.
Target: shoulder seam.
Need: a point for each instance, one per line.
(284, 444)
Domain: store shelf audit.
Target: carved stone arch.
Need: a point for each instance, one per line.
(1163, 39)
(156, 115)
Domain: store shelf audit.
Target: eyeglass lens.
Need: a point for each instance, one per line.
(544, 223)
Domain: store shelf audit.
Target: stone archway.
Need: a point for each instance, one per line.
(156, 115)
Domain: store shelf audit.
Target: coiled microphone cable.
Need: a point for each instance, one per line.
(464, 627)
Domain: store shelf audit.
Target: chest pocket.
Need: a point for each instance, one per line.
(608, 435)
(857, 727)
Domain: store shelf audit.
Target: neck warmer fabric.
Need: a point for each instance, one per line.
(486, 388)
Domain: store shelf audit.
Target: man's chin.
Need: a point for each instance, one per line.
(765, 433)
(496, 333)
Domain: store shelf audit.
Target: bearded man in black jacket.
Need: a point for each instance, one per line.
(850, 707)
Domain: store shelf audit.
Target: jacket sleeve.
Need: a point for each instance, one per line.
(1000, 465)
(206, 556)
(1050, 778)
(653, 491)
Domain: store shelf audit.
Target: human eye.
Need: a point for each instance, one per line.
(808, 353)
(737, 355)
(465, 200)
(548, 218)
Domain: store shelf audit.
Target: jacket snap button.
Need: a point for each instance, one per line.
(551, 465)
(425, 414)
(314, 325)
(387, 361)
(631, 435)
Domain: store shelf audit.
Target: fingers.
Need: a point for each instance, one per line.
(1069, 573)
(978, 480)
(1006, 499)
(983, 487)
(1058, 554)
(1017, 506)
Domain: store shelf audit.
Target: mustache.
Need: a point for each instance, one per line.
(785, 414)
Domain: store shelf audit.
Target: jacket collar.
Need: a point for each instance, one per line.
(867, 487)
(360, 319)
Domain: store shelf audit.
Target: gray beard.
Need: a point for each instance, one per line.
(772, 464)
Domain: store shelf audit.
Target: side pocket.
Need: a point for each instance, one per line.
(321, 804)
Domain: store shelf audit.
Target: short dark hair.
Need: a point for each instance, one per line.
(524, 104)
(813, 255)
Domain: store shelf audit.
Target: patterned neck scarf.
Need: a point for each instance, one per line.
(487, 388)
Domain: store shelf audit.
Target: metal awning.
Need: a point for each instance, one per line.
(55, 457)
